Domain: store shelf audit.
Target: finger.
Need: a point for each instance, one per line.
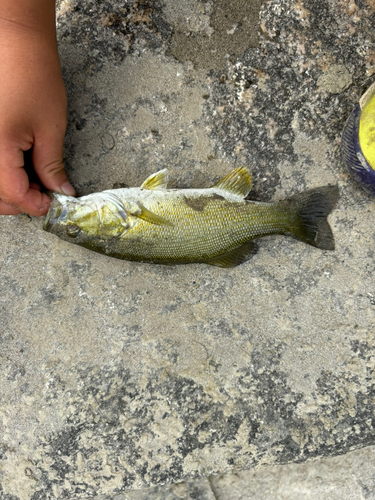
(14, 185)
(48, 163)
(6, 209)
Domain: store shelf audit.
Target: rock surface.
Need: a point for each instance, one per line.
(116, 375)
(349, 476)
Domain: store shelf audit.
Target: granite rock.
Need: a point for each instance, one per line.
(116, 375)
(342, 477)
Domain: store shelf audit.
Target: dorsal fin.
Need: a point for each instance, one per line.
(159, 180)
(237, 182)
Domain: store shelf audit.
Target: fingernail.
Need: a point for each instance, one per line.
(68, 189)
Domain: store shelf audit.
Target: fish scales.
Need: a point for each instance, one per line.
(203, 233)
(215, 225)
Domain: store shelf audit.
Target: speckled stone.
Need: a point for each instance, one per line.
(116, 375)
(349, 476)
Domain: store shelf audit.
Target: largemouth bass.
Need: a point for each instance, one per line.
(216, 226)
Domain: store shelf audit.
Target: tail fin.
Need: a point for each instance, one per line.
(311, 210)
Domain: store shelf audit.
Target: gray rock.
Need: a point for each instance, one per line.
(335, 79)
(200, 489)
(116, 375)
(346, 476)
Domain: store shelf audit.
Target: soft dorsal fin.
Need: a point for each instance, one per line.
(159, 180)
(237, 182)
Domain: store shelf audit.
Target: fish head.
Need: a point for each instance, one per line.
(96, 216)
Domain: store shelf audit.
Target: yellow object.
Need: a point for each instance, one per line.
(367, 125)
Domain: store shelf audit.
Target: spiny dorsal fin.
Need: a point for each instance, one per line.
(159, 180)
(237, 182)
(235, 257)
(148, 216)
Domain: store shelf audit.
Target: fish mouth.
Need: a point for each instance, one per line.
(57, 212)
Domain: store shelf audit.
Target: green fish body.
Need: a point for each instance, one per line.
(216, 226)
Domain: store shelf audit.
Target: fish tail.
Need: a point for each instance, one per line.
(310, 211)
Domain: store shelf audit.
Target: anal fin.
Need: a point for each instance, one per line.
(235, 257)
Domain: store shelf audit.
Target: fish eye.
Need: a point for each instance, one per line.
(72, 230)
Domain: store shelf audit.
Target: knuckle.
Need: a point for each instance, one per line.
(53, 168)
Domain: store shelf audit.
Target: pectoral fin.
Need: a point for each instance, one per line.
(237, 182)
(159, 180)
(148, 216)
(235, 257)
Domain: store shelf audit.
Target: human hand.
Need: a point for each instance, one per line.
(32, 114)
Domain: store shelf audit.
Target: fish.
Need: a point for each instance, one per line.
(358, 142)
(216, 225)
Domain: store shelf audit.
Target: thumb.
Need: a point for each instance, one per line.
(48, 164)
